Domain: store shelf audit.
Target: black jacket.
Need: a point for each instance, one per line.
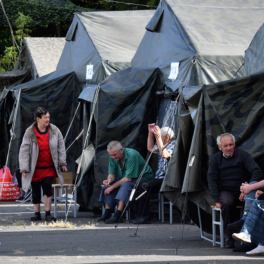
(227, 174)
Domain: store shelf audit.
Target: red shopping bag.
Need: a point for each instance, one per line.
(8, 190)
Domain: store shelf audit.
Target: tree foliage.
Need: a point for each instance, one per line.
(43, 12)
(8, 61)
(21, 30)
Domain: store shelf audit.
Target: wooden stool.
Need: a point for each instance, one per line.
(65, 187)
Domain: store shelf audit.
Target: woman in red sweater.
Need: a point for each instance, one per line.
(41, 154)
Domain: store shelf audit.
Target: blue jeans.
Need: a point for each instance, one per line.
(121, 193)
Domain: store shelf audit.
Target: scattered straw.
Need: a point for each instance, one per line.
(18, 252)
(88, 226)
(19, 223)
(58, 224)
(33, 224)
(80, 249)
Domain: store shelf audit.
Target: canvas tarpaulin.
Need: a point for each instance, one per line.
(126, 104)
(234, 106)
(13, 78)
(105, 40)
(58, 93)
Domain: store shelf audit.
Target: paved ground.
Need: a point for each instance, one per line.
(99, 243)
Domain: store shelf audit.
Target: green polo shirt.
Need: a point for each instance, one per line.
(133, 164)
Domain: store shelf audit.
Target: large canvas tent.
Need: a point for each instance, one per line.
(58, 92)
(41, 55)
(234, 106)
(207, 38)
(126, 104)
(106, 41)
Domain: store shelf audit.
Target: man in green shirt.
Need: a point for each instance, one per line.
(125, 165)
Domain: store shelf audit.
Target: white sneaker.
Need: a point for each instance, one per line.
(242, 237)
(258, 251)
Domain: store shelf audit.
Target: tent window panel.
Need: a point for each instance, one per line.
(71, 31)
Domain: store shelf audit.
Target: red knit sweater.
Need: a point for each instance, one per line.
(44, 167)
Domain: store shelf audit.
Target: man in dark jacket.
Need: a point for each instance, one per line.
(228, 169)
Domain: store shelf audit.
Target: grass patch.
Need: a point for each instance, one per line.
(80, 249)
(18, 252)
(58, 224)
(6, 218)
(19, 223)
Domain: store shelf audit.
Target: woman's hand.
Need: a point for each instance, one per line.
(64, 168)
(24, 174)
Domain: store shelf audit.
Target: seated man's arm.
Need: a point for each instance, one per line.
(110, 178)
(116, 185)
(252, 167)
(212, 178)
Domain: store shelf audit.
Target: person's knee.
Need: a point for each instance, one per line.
(47, 192)
(36, 199)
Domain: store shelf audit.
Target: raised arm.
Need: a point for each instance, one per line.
(150, 142)
(164, 153)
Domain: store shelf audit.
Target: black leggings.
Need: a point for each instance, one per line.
(36, 189)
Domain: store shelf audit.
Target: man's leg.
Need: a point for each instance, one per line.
(122, 197)
(229, 202)
(108, 202)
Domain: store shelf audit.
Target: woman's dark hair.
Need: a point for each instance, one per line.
(40, 112)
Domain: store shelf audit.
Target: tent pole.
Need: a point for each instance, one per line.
(86, 138)
(72, 121)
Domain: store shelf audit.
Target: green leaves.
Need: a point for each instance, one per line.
(9, 59)
(42, 12)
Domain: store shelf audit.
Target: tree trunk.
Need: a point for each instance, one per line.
(58, 26)
(11, 30)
